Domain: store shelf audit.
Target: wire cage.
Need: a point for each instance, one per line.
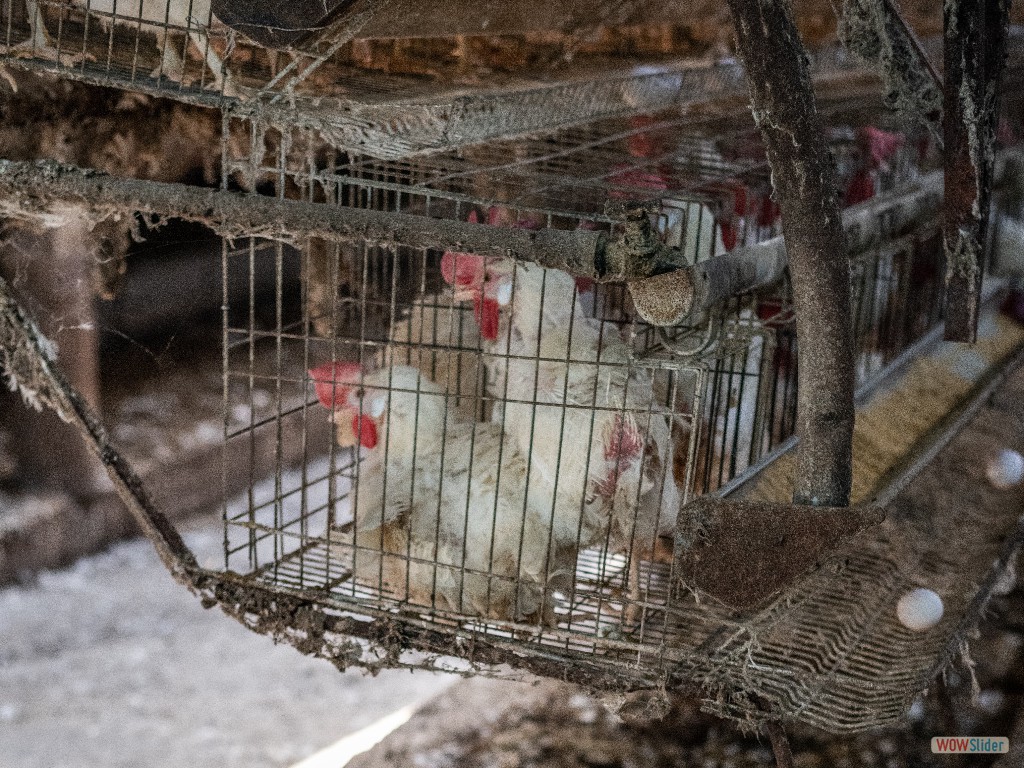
(400, 84)
(387, 80)
(492, 396)
(451, 454)
(393, 312)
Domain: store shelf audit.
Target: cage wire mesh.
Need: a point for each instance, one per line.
(506, 447)
(401, 328)
(392, 98)
(435, 97)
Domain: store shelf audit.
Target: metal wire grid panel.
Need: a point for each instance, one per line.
(565, 179)
(160, 46)
(301, 529)
(898, 293)
(177, 48)
(818, 654)
(722, 390)
(718, 396)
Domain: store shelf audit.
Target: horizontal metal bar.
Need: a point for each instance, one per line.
(896, 480)
(992, 289)
(46, 189)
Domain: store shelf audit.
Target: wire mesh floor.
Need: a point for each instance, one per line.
(830, 651)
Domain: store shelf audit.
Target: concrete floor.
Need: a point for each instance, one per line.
(111, 664)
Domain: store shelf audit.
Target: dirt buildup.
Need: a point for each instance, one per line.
(20, 361)
(873, 32)
(563, 728)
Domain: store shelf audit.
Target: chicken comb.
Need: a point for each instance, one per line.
(882, 144)
(332, 382)
(462, 270)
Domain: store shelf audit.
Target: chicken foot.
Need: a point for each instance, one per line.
(172, 66)
(39, 45)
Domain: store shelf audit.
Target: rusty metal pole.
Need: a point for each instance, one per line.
(803, 175)
(975, 49)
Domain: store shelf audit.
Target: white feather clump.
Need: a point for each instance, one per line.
(1005, 469)
(919, 609)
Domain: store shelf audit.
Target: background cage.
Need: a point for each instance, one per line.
(724, 382)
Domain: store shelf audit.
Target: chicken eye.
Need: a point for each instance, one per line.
(355, 397)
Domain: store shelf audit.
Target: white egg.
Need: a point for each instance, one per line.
(919, 609)
(1005, 469)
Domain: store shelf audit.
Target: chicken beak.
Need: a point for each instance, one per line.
(344, 428)
(465, 294)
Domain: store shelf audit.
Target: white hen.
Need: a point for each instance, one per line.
(561, 377)
(441, 512)
(436, 337)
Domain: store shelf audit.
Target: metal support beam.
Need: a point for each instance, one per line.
(975, 49)
(803, 174)
(674, 297)
(45, 188)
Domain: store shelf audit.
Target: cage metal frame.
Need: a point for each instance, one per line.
(671, 359)
(292, 613)
(327, 630)
(392, 116)
(318, 629)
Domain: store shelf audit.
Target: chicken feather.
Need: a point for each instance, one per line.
(441, 513)
(560, 375)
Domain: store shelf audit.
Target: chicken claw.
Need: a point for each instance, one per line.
(39, 45)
